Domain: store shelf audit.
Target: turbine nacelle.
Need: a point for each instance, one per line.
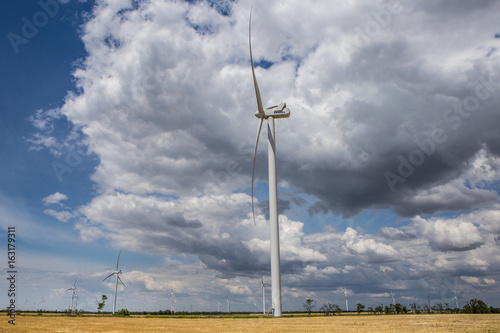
(278, 111)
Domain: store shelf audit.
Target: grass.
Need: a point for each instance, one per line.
(351, 323)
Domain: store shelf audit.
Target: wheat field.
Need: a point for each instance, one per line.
(344, 323)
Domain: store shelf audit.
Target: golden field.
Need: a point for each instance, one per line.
(343, 323)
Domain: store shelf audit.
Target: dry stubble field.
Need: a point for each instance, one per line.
(346, 323)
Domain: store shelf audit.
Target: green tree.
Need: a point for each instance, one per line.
(398, 308)
(338, 309)
(360, 307)
(476, 306)
(328, 308)
(379, 309)
(123, 313)
(101, 305)
(308, 305)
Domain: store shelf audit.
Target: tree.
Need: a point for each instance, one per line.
(328, 308)
(398, 308)
(123, 313)
(101, 305)
(370, 309)
(476, 306)
(308, 305)
(360, 307)
(338, 309)
(379, 309)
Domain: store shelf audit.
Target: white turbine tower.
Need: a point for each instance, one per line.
(228, 305)
(76, 300)
(456, 300)
(279, 111)
(117, 272)
(172, 300)
(263, 295)
(346, 301)
(73, 294)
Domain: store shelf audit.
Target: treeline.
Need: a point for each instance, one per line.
(473, 306)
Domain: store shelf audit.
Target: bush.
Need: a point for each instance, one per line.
(123, 313)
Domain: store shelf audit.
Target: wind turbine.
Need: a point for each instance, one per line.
(346, 301)
(279, 111)
(263, 295)
(172, 300)
(228, 305)
(117, 273)
(26, 302)
(73, 294)
(42, 302)
(393, 300)
(456, 300)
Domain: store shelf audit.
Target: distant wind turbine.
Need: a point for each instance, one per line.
(73, 294)
(228, 305)
(279, 111)
(41, 304)
(117, 273)
(263, 283)
(346, 301)
(172, 300)
(393, 294)
(26, 302)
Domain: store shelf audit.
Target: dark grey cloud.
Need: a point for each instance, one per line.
(179, 221)
(283, 206)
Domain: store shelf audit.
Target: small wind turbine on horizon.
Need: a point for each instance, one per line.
(73, 294)
(393, 294)
(26, 302)
(279, 111)
(172, 300)
(117, 273)
(42, 302)
(346, 301)
(263, 295)
(228, 305)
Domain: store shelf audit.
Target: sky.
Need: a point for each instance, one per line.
(129, 126)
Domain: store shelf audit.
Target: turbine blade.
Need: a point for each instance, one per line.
(256, 86)
(110, 275)
(118, 259)
(121, 280)
(74, 284)
(253, 168)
